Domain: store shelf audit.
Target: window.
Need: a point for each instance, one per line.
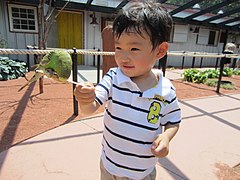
(180, 33)
(223, 37)
(208, 37)
(22, 18)
(212, 37)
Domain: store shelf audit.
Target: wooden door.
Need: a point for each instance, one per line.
(70, 31)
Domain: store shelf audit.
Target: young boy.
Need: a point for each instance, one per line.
(139, 101)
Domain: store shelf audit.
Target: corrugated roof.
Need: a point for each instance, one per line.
(181, 10)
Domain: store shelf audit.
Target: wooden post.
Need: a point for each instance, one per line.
(201, 62)
(162, 64)
(193, 62)
(216, 65)
(74, 78)
(94, 58)
(222, 61)
(183, 59)
(28, 60)
(98, 67)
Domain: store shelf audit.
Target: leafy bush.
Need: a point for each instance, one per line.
(228, 72)
(225, 85)
(11, 69)
(195, 76)
(212, 73)
(236, 72)
(198, 76)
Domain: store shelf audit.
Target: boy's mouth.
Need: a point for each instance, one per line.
(128, 66)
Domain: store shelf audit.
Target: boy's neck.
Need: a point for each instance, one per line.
(146, 82)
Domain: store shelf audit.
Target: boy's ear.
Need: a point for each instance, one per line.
(162, 50)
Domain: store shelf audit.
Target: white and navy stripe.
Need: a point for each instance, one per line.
(128, 135)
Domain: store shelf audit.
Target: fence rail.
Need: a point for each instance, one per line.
(95, 52)
(74, 52)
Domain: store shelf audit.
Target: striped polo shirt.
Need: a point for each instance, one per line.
(132, 121)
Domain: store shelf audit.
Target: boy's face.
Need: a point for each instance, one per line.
(134, 54)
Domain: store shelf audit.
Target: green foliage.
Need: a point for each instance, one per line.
(236, 72)
(198, 76)
(228, 72)
(194, 75)
(11, 69)
(225, 85)
(211, 73)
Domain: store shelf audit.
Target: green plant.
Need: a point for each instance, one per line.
(224, 84)
(228, 72)
(11, 69)
(236, 71)
(211, 73)
(198, 76)
(195, 76)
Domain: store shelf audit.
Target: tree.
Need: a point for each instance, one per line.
(45, 22)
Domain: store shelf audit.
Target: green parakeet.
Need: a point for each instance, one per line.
(56, 64)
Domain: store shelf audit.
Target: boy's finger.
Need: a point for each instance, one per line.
(156, 142)
(154, 145)
(160, 147)
(85, 87)
(89, 84)
(81, 84)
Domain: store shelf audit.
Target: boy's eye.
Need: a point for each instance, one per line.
(117, 48)
(135, 49)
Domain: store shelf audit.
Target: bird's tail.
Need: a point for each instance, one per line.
(35, 77)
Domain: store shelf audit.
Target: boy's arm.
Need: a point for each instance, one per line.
(85, 95)
(160, 146)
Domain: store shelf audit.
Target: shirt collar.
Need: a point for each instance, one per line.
(159, 90)
(122, 78)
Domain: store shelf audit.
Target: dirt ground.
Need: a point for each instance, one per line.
(28, 113)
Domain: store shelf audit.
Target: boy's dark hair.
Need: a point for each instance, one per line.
(147, 16)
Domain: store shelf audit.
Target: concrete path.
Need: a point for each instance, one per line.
(209, 134)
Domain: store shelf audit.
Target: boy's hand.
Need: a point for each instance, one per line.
(160, 146)
(85, 93)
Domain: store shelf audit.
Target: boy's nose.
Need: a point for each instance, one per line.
(124, 56)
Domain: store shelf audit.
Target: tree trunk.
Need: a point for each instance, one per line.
(40, 37)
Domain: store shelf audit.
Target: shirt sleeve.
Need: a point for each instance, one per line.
(172, 112)
(103, 89)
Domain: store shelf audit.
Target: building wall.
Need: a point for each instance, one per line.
(92, 39)
(14, 40)
(92, 34)
(191, 46)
